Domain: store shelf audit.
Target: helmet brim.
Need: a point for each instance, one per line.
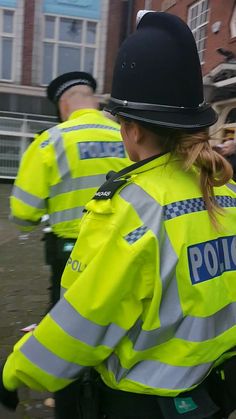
(186, 119)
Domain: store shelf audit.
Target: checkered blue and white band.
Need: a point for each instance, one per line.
(68, 84)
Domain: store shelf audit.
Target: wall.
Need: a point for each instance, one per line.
(28, 37)
(219, 11)
(116, 32)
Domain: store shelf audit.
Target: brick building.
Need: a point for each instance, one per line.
(40, 39)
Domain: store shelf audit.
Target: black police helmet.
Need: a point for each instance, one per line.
(157, 76)
(67, 80)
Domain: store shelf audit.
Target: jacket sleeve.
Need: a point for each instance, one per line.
(111, 279)
(30, 191)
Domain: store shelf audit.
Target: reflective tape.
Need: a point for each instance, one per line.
(83, 329)
(136, 234)
(47, 361)
(74, 184)
(200, 329)
(66, 215)
(157, 374)
(151, 213)
(231, 186)
(57, 140)
(28, 198)
(62, 291)
(188, 206)
(90, 126)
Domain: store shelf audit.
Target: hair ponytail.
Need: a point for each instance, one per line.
(195, 150)
(214, 170)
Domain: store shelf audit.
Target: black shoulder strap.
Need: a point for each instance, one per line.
(117, 179)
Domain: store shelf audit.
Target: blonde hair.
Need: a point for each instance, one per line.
(195, 150)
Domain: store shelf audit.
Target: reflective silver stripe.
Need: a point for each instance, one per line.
(28, 198)
(24, 223)
(191, 329)
(151, 213)
(47, 361)
(62, 291)
(57, 140)
(83, 329)
(90, 126)
(157, 374)
(74, 184)
(231, 186)
(200, 329)
(66, 215)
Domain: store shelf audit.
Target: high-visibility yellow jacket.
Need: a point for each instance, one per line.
(63, 167)
(149, 289)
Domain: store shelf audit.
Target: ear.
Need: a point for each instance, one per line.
(138, 132)
(63, 108)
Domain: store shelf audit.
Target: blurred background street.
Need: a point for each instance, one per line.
(24, 298)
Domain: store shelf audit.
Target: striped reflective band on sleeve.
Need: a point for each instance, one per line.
(28, 198)
(151, 214)
(188, 206)
(57, 140)
(136, 234)
(47, 361)
(75, 184)
(157, 374)
(23, 223)
(66, 215)
(90, 126)
(83, 329)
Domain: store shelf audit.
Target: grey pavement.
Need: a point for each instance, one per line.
(24, 298)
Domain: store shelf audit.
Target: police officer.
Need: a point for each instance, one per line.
(149, 289)
(62, 169)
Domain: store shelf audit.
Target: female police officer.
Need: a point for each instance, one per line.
(149, 289)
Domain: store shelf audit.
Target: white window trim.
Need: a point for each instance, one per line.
(197, 3)
(82, 45)
(11, 36)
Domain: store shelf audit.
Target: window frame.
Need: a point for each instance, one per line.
(196, 30)
(56, 42)
(8, 35)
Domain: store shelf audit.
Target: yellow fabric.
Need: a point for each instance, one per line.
(112, 278)
(40, 171)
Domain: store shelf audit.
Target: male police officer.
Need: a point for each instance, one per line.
(64, 166)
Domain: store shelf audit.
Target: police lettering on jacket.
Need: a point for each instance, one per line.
(210, 259)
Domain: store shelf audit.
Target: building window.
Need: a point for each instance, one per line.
(7, 37)
(68, 45)
(198, 15)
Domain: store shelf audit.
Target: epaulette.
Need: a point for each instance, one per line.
(109, 188)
